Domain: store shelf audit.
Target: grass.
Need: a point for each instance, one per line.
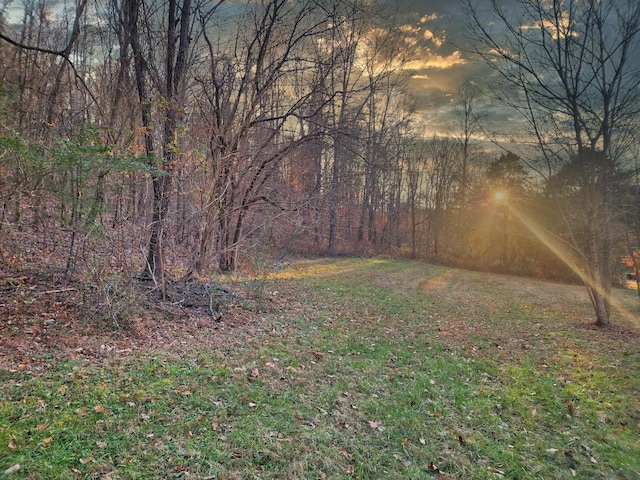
(369, 369)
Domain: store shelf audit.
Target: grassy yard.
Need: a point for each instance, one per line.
(368, 369)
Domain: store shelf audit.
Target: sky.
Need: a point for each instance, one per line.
(438, 27)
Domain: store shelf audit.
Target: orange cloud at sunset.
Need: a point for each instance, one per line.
(433, 60)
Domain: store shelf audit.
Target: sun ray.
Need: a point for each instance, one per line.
(566, 254)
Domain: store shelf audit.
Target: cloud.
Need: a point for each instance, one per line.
(429, 60)
(409, 29)
(411, 41)
(428, 18)
(557, 29)
(438, 40)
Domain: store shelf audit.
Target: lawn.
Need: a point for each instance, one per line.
(339, 369)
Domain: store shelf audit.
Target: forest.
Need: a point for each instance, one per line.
(165, 140)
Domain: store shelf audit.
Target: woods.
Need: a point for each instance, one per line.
(171, 139)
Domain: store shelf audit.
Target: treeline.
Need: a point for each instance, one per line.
(184, 136)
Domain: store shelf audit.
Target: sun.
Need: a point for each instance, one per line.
(500, 195)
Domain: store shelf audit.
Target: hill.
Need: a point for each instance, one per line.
(351, 368)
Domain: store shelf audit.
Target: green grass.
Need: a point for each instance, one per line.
(369, 369)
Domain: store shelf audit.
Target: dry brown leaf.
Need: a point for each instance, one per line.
(12, 469)
(377, 425)
(570, 406)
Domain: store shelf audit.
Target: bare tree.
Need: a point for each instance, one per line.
(415, 173)
(385, 117)
(570, 68)
(443, 167)
(254, 96)
(160, 36)
(468, 115)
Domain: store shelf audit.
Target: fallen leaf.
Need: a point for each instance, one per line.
(214, 425)
(423, 441)
(98, 408)
(570, 406)
(346, 454)
(12, 444)
(377, 425)
(322, 475)
(86, 460)
(496, 472)
(47, 441)
(318, 356)
(42, 427)
(305, 423)
(101, 444)
(12, 469)
(255, 373)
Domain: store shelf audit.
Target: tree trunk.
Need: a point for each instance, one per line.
(155, 253)
(333, 199)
